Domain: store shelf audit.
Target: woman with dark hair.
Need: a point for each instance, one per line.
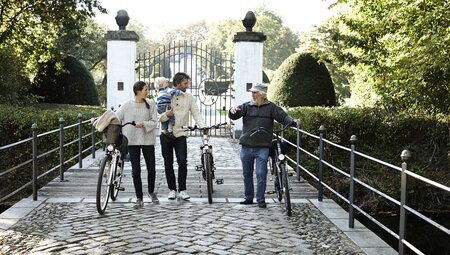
(141, 137)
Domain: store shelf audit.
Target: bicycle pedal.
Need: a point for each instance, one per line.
(219, 181)
(121, 188)
(199, 168)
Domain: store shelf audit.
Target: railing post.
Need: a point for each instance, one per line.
(61, 149)
(93, 136)
(351, 198)
(321, 131)
(402, 232)
(299, 144)
(80, 142)
(33, 128)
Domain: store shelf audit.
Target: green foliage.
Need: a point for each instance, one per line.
(281, 41)
(394, 49)
(302, 81)
(383, 137)
(74, 86)
(13, 86)
(30, 29)
(17, 127)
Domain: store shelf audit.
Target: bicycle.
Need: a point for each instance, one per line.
(207, 160)
(277, 165)
(111, 166)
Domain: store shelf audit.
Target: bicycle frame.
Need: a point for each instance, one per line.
(207, 159)
(278, 166)
(109, 178)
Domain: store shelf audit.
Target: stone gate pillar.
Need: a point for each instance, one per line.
(121, 58)
(248, 53)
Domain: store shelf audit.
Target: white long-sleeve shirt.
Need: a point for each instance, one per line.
(181, 105)
(138, 112)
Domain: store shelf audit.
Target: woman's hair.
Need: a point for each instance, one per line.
(179, 77)
(159, 81)
(139, 86)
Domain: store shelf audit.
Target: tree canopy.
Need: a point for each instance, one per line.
(397, 49)
(31, 28)
(280, 44)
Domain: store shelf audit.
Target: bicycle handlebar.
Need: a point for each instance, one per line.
(256, 130)
(129, 123)
(203, 128)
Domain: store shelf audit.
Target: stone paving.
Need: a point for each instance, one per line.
(62, 225)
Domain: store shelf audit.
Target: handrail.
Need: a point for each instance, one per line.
(400, 236)
(35, 157)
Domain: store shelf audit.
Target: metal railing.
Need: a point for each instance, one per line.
(33, 163)
(404, 173)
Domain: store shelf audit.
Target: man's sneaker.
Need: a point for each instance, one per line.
(262, 203)
(154, 198)
(184, 195)
(246, 202)
(138, 204)
(172, 195)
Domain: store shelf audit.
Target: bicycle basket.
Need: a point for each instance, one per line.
(111, 134)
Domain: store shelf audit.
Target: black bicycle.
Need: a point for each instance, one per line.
(111, 166)
(207, 160)
(277, 165)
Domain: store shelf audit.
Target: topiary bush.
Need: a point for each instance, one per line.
(302, 81)
(73, 84)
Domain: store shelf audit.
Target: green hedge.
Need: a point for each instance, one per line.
(17, 126)
(382, 136)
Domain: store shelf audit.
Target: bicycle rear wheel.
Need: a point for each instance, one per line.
(287, 195)
(207, 165)
(104, 184)
(117, 179)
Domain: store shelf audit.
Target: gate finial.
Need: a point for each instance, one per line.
(249, 21)
(122, 19)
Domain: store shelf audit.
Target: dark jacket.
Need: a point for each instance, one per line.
(254, 116)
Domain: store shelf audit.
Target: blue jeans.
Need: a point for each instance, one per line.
(135, 157)
(168, 145)
(251, 156)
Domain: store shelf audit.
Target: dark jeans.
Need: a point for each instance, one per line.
(135, 157)
(180, 147)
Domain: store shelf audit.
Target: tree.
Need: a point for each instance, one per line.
(281, 41)
(12, 84)
(302, 81)
(73, 85)
(397, 49)
(30, 29)
(88, 44)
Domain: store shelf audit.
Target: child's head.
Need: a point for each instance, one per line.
(161, 82)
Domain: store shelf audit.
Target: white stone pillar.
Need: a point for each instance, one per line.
(248, 54)
(121, 58)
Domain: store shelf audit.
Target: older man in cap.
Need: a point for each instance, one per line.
(259, 112)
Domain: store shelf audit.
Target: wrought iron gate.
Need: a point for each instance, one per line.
(211, 76)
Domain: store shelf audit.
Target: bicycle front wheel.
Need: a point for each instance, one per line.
(116, 178)
(287, 195)
(104, 184)
(207, 165)
(278, 182)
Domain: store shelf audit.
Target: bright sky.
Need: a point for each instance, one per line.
(161, 15)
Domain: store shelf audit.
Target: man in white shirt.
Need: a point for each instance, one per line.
(181, 106)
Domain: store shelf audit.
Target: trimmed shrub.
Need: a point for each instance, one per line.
(302, 81)
(73, 85)
(384, 137)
